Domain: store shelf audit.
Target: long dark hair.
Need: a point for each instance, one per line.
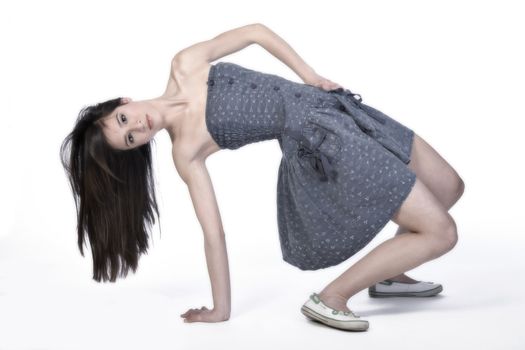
(114, 194)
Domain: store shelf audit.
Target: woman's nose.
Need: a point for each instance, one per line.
(139, 126)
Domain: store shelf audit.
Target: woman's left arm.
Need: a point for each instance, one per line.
(237, 39)
(219, 46)
(279, 48)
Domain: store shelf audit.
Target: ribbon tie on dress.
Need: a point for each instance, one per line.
(319, 161)
(363, 120)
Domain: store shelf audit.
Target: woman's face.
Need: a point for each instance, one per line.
(130, 125)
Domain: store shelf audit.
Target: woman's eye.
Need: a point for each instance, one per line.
(123, 117)
(130, 138)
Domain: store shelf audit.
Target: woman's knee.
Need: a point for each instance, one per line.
(460, 188)
(451, 190)
(423, 213)
(445, 234)
(450, 234)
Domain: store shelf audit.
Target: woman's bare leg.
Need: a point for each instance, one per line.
(431, 232)
(440, 178)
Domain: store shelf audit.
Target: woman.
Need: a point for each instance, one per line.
(347, 169)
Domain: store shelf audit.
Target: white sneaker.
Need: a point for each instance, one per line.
(318, 311)
(389, 288)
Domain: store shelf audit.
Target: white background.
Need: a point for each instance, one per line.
(451, 70)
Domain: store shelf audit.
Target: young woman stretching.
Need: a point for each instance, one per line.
(347, 170)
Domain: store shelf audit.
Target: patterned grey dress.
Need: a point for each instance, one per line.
(343, 170)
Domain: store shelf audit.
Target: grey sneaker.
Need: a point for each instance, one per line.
(388, 288)
(318, 311)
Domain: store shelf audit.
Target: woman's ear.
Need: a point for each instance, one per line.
(125, 99)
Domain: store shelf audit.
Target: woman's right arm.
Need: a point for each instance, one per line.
(236, 39)
(221, 45)
(196, 176)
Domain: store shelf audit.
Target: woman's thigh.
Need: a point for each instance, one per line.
(435, 172)
(431, 168)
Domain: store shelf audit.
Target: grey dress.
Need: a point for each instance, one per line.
(343, 172)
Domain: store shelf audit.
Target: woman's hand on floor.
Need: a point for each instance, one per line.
(322, 82)
(204, 315)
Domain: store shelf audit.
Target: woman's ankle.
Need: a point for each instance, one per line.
(334, 300)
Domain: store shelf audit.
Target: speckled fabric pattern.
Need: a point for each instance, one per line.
(343, 172)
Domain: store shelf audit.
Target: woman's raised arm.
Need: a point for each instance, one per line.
(221, 45)
(236, 39)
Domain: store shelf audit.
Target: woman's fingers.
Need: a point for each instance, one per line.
(194, 314)
(192, 311)
(187, 312)
(188, 316)
(203, 315)
(333, 86)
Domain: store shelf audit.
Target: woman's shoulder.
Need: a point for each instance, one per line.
(191, 140)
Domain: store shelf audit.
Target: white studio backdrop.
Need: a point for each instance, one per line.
(451, 70)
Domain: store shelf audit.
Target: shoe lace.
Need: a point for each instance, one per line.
(315, 298)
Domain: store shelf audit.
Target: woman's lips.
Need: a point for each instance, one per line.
(149, 122)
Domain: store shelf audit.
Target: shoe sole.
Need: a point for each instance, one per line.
(352, 325)
(426, 293)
